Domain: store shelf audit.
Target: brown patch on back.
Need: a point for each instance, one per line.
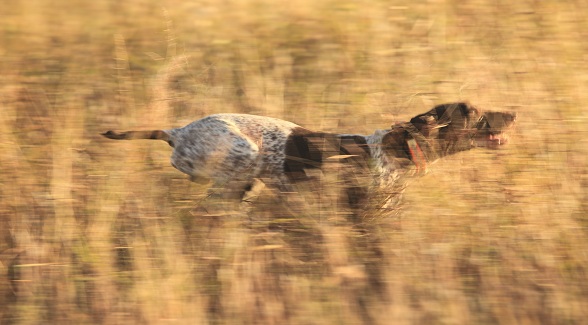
(302, 151)
(306, 149)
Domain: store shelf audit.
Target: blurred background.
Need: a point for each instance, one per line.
(102, 232)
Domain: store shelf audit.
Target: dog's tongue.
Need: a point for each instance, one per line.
(494, 138)
(497, 140)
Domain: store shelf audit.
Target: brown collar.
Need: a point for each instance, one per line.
(421, 149)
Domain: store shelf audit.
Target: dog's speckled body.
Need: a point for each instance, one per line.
(225, 147)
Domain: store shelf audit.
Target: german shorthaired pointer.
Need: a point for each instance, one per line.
(226, 147)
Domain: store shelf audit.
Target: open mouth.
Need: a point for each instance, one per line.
(498, 139)
(491, 129)
(492, 141)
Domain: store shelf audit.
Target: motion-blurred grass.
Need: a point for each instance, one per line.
(93, 231)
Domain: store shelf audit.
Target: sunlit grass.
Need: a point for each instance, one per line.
(93, 231)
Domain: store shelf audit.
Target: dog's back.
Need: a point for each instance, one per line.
(222, 147)
(226, 146)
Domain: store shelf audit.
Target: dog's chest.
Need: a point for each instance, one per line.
(384, 168)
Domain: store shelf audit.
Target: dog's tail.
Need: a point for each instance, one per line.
(133, 135)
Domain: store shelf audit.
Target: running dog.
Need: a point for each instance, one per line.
(226, 147)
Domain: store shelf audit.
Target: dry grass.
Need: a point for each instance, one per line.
(93, 231)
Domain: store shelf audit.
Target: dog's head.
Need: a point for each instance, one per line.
(492, 129)
(447, 129)
(461, 126)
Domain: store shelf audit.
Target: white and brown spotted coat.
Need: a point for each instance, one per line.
(222, 147)
(225, 147)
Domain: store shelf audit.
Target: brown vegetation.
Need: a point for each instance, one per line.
(98, 232)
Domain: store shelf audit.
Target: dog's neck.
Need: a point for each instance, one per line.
(385, 168)
(416, 149)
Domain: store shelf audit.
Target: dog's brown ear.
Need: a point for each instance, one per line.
(394, 142)
(459, 115)
(403, 144)
(425, 124)
(472, 115)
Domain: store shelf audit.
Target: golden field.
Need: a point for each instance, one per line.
(94, 231)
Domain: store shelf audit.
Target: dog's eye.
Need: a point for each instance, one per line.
(171, 143)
